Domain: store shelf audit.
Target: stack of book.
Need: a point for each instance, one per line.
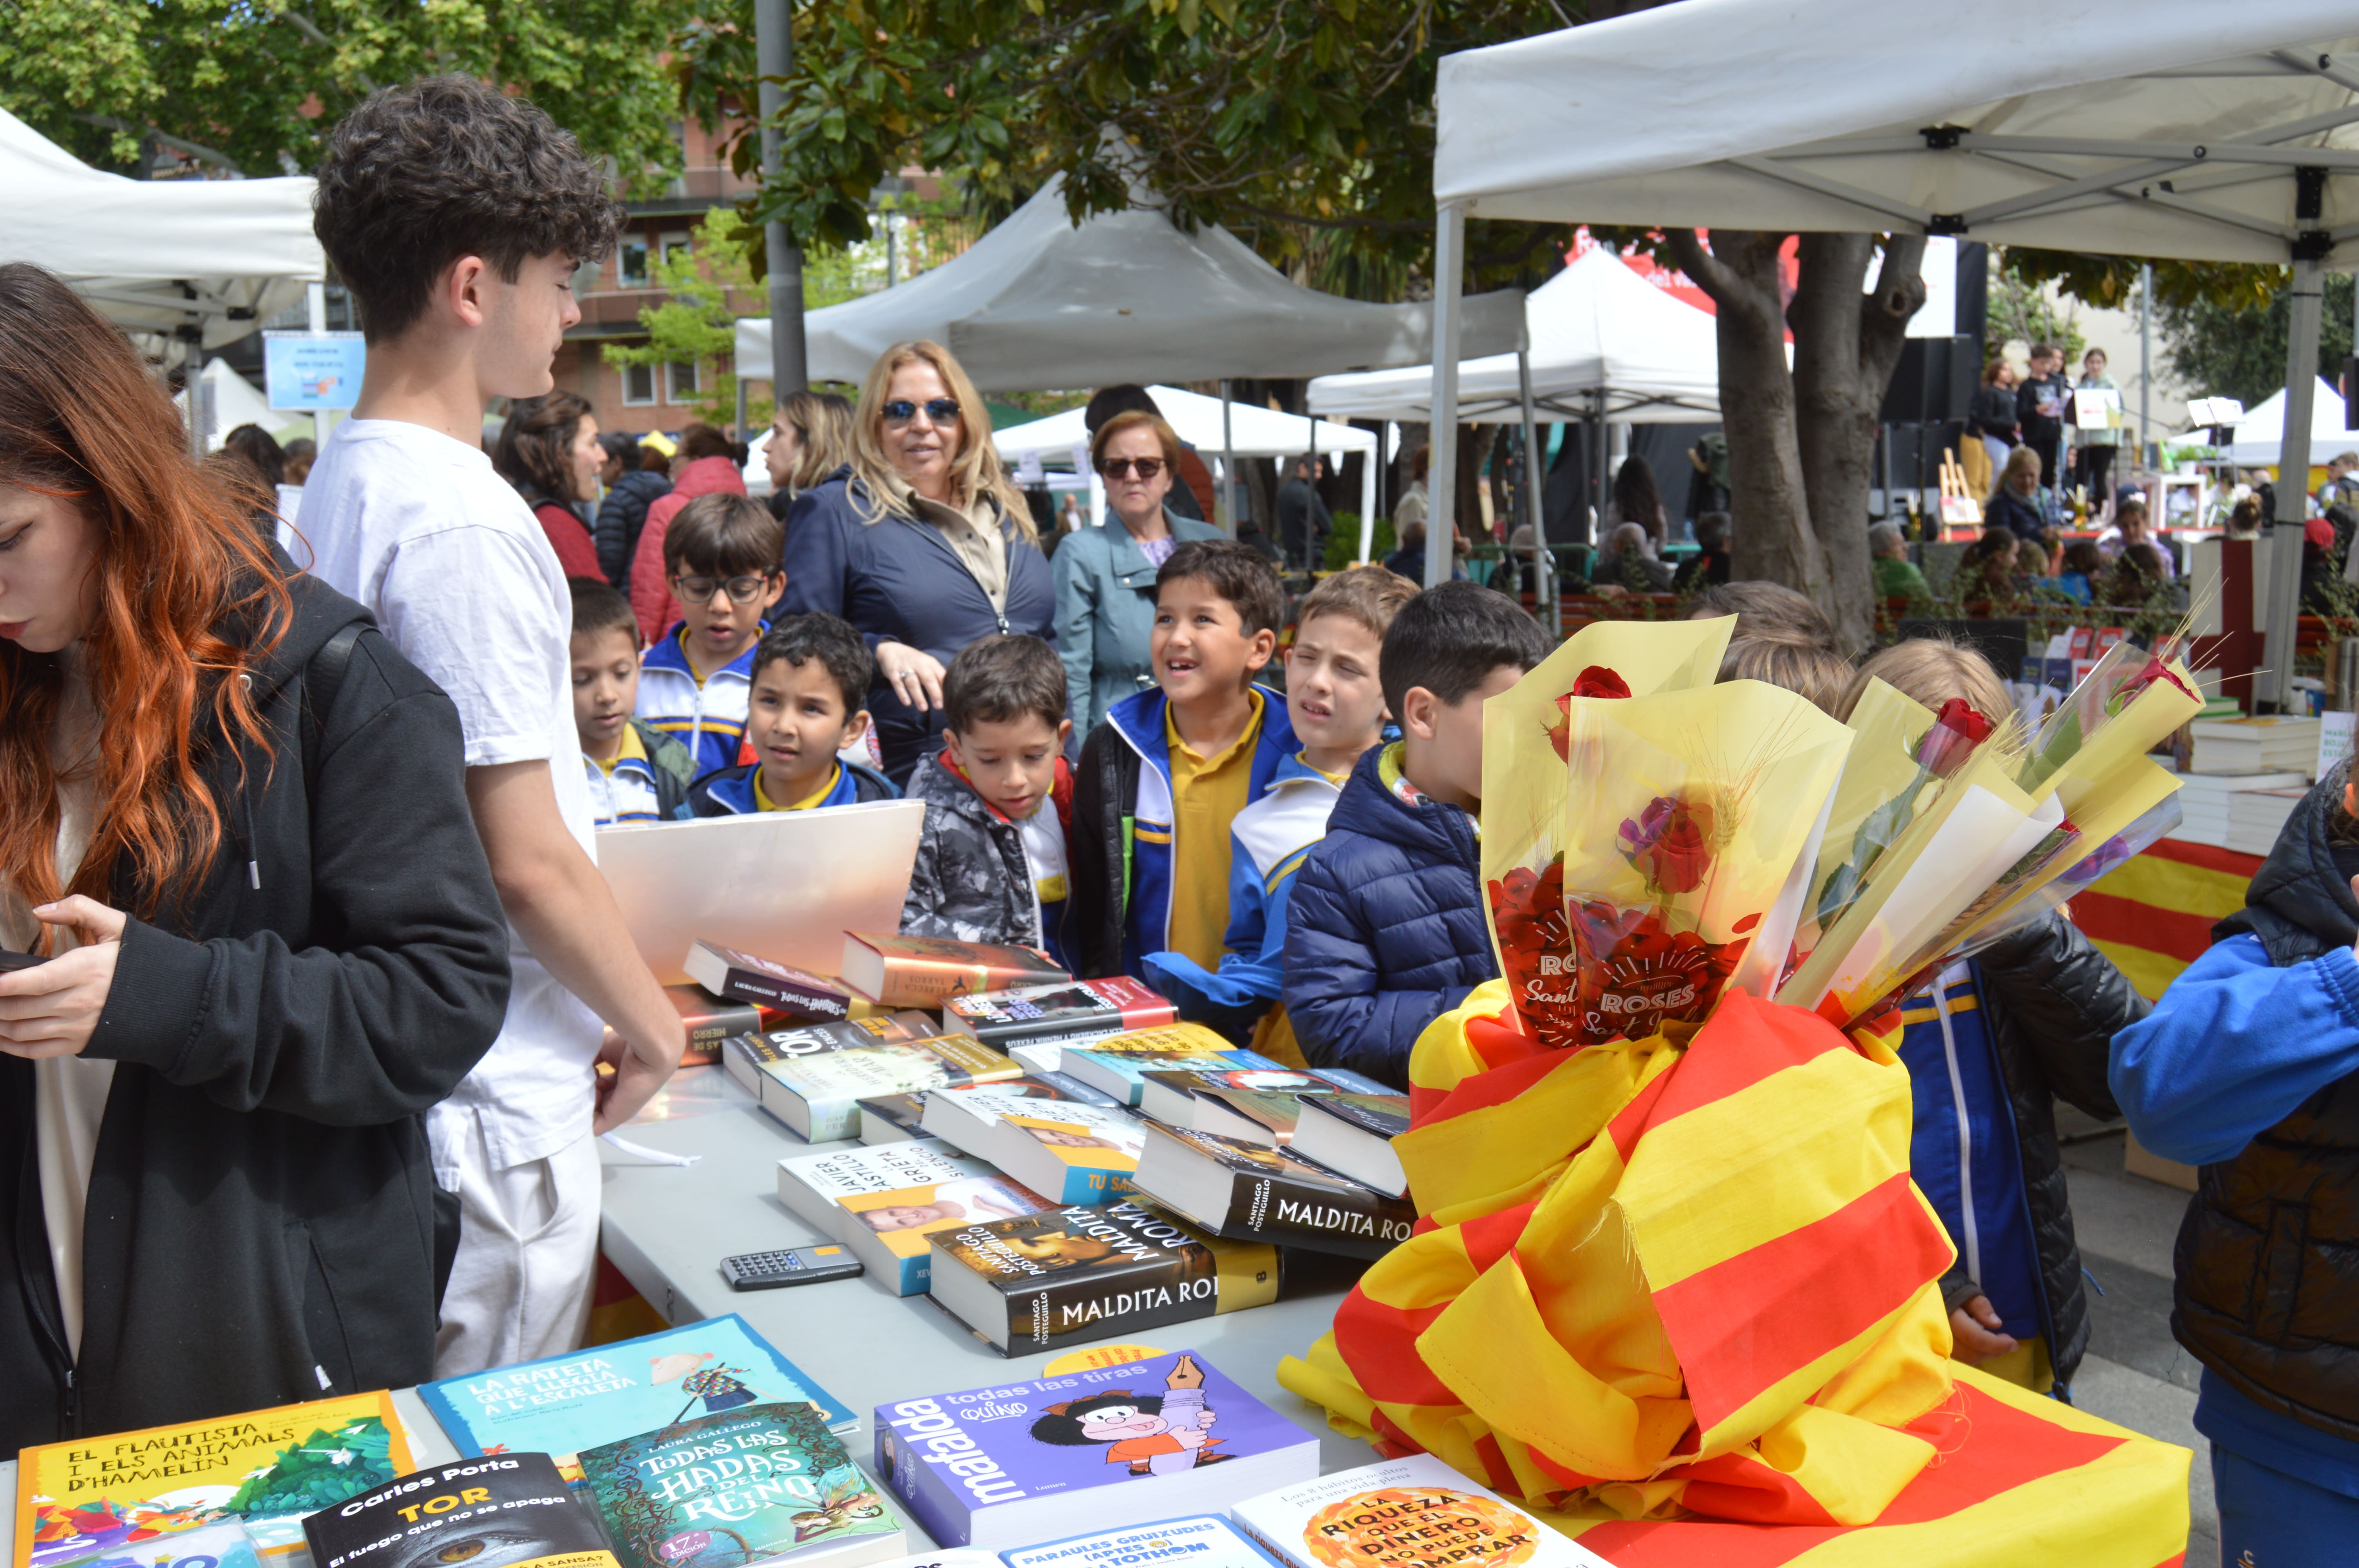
(2259, 745)
(1072, 1149)
(1119, 1064)
(2255, 817)
(2209, 803)
(1035, 1024)
(893, 1119)
(813, 1078)
(925, 972)
(884, 1202)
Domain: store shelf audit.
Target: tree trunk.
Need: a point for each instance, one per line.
(1846, 343)
(1769, 500)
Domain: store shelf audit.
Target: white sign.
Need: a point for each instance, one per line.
(309, 371)
(2333, 741)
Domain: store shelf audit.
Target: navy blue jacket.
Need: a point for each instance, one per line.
(1385, 930)
(620, 517)
(729, 792)
(899, 580)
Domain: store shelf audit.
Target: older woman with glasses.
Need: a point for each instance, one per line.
(919, 541)
(1106, 574)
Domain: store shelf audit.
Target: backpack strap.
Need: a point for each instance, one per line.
(322, 679)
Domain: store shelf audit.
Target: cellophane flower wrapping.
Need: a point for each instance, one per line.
(1525, 788)
(1685, 814)
(1882, 789)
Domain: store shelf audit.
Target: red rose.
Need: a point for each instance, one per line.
(1598, 681)
(1670, 844)
(1957, 729)
(1535, 952)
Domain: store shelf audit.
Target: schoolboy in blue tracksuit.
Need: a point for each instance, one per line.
(1163, 779)
(1335, 701)
(1386, 925)
(720, 555)
(2249, 1068)
(809, 673)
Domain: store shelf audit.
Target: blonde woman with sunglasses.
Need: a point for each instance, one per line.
(919, 540)
(1106, 574)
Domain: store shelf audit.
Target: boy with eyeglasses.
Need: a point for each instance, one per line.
(721, 558)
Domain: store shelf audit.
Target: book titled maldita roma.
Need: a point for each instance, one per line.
(922, 971)
(98, 1497)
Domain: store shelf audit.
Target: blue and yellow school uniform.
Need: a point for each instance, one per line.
(1964, 1154)
(1155, 837)
(1268, 845)
(707, 716)
(737, 792)
(647, 782)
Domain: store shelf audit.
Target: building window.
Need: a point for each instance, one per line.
(632, 261)
(638, 385)
(675, 243)
(680, 382)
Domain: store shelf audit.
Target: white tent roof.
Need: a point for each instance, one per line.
(236, 402)
(1039, 302)
(1596, 327)
(2112, 125)
(2259, 434)
(152, 255)
(1255, 432)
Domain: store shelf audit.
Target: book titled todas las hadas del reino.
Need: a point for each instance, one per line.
(760, 1484)
(506, 1510)
(1027, 1460)
(95, 1499)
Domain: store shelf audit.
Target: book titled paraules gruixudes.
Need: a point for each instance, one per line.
(749, 1485)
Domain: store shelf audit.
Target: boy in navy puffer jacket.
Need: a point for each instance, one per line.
(1387, 930)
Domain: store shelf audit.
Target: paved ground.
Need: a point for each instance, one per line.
(2136, 1374)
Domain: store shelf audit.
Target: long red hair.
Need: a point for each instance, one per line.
(175, 553)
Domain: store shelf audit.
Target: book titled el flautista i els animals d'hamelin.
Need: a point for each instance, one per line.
(1025, 1460)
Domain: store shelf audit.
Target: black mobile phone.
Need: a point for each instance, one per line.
(788, 1266)
(9, 961)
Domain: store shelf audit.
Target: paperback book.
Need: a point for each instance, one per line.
(1257, 1105)
(1067, 1275)
(819, 1096)
(563, 1404)
(889, 1118)
(1063, 1014)
(222, 1545)
(513, 1510)
(747, 977)
(763, 1483)
(1202, 1539)
(1247, 1191)
(884, 1202)
(925, 971)
(744, 1056)
(1118, 1064)
(96, 1497)
(1070, 1152)
(1414, 1512)
(1354, 1134)
(1023, 1461)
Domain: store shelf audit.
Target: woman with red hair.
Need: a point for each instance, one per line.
(232, 823)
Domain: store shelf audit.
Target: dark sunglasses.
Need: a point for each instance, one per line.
(940, 410)
(1122, 468)
(700, 589)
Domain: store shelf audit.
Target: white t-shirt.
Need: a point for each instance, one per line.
(423, 530)
(1044, 854)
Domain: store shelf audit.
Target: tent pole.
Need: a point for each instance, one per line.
(1441, 509)
(1368, 498)
(1225, 514)
(2293, 487)
(1311, 561)
(1543, 558)
(2146, 366)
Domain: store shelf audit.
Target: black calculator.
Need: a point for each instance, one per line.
(788, 1266)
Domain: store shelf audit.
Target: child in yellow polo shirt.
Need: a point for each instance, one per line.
(810, 678)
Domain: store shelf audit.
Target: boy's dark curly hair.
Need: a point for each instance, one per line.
(1062, 1424)
(420, 176)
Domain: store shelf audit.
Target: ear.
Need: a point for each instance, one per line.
(1264, 644)
(856, 725)
(950, 742)
(1064, 733)
(1420, 711)
(466, 290)
(778, 589)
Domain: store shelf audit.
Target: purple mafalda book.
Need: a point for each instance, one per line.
(1012, 1463)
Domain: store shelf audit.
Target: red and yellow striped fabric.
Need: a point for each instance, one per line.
(1686, 1278)
(2153, 913)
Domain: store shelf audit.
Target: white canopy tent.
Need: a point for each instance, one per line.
(215, 257)
(2202, 132)
(1209, 425)
(234, 402)
(2258, 438)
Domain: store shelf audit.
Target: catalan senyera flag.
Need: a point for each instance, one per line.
(1681, 1294)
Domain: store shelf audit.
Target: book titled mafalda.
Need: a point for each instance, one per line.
(761, 1483)
(512, 1510)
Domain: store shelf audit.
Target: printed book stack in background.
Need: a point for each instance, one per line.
(1070, 1152)
(884, 1202)
(1119, 1064)
(1025, 1461)
(1079, 1273)
(889, 1118)
(1045, 1018)
(818, 1092)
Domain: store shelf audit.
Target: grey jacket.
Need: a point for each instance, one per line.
(970, 882)
(1105, 612)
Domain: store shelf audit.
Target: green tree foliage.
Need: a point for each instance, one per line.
(2241, 353)
(251, 88)
(695, 324)
(1306, 126)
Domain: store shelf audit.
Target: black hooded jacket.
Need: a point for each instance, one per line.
(2268, 1261)
(260, 1223)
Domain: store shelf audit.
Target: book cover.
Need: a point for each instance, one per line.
(222, 1545)
(892, 1118)
(563, 1404)
(922, 971)
(1414, 1512)
(756, 1484)
(1073, 1152)
(1024, 1460)
(1353, 1134)
(1066, 1275)
(1205, 1538)
(1078, 1009)
(748, 976)
(746, 1055)
(509, 1511)
(1117, 1064)
(819, 1096)
(884, 1202)
(97, 1496)
(1247, 1191)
